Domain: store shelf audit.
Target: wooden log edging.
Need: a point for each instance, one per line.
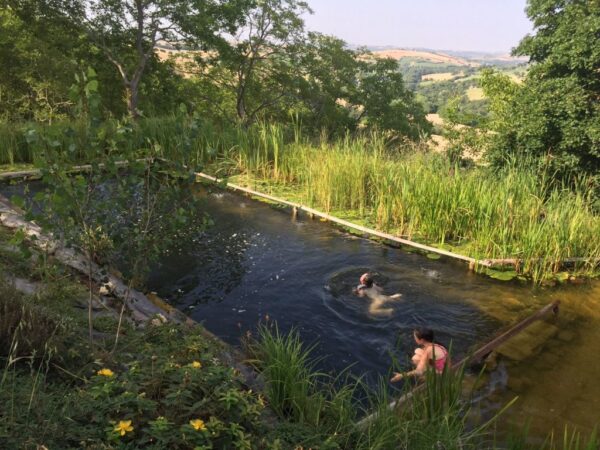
(142, 308)
(477, 355)
(389, 237)
(36, 174)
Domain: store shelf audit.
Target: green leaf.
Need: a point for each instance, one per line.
(501, 275)
(18, 201)
(562, 276)
(92, 86)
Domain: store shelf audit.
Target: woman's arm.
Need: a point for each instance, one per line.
(418, 371)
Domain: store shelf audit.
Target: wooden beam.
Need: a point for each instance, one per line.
(477, 355)
(345, 223)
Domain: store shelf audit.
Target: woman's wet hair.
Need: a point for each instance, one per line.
(425, 334)
(367, 280)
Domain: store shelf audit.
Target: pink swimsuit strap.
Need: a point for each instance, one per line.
(440, 362)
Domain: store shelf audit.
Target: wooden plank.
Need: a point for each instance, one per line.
(33, 174)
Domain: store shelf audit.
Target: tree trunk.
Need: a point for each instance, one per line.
(132, 97)
(241, 109)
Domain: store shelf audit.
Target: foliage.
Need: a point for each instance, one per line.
(165, 389)
(552, 118)
(37, 66)
(435, 417)
(463, 140)
(386, 104)
(28, 330)
(481, 212)
(259, 69)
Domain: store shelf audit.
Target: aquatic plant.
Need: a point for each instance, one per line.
(401, 188)
(508, 214)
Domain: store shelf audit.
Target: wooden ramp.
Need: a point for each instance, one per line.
(478, 355)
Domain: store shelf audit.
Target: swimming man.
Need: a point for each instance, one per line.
(367, 288)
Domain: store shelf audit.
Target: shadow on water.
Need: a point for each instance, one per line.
(256, 264)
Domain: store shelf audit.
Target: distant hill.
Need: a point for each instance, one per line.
(399, 53)
(451, 57)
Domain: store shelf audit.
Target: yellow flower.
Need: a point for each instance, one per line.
(106, 372)
(196, 364)
(124, 427)
(261, 400)
(198, 424)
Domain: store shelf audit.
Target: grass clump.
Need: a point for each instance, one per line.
(329, 413)
(164, 388)
(29, 330)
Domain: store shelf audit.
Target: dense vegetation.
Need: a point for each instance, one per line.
(167, 385)
(242, 89)
(554, 115)
(273, 69)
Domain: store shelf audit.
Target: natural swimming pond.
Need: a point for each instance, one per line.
(257, 263)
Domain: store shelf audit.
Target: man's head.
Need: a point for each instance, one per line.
(366, 279)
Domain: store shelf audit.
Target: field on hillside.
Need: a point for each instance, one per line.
(443, 76)
(475, 93)
(424, 55)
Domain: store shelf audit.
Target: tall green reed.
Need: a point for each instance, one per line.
(435, 417)
(402, 189)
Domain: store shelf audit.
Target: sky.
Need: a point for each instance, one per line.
(467, 25)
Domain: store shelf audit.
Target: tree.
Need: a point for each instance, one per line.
(553, 117)
(37, 64)
(127, 31)
(328, 84)
(259, 67)
(386, 103)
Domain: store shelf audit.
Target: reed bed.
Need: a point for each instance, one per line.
(401, 189)
(512, 213)
(297, 392)
(439, 416)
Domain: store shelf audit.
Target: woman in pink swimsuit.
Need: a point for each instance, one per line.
(429, 354)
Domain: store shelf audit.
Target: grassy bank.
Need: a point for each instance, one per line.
(390, 186)
(162, 387)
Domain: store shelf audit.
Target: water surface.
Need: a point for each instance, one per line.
(257, 264)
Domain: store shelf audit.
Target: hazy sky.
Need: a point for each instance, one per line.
(481, 25)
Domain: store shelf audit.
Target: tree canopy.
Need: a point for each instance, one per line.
(553, 117)
(240, 61)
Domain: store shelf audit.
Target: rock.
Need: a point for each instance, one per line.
(491, 362)
(25, 286)
(158, 320)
